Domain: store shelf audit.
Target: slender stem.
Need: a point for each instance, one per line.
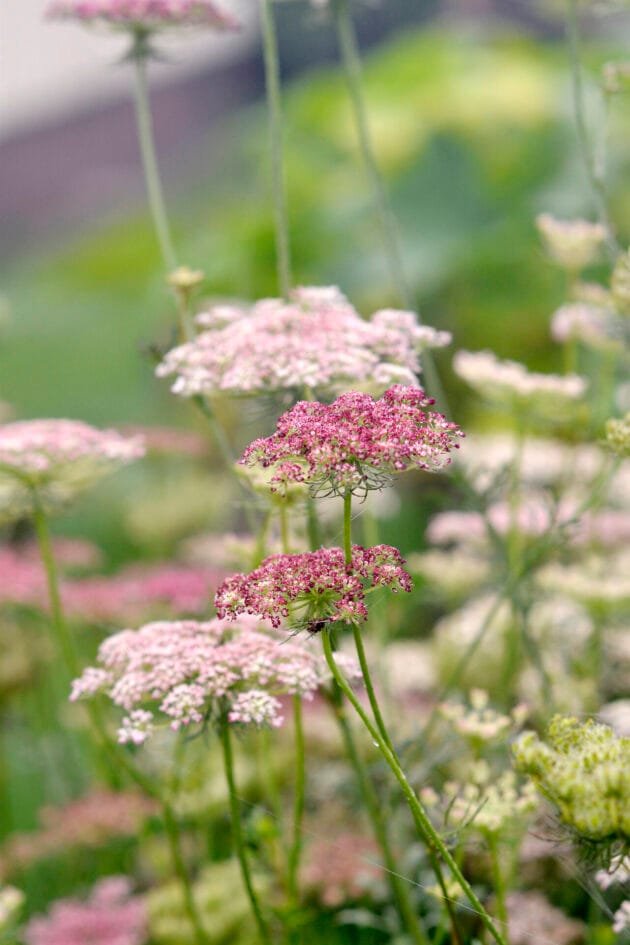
(284, 528)
(593, 173)
(423, 823)
(139, 55)
(351, 62)
(274, 107)
(347, 527)
(312, 523)
(369, 687)
(175, 846)
(239, 841)
(400, 890)
(498, 881)
(298, 800)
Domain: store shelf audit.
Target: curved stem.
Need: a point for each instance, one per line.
(274, 107)
(399, 888)
(421, 819)
(237, 832)
(146, 140)
(298, 801)
(347, 528)
(497, 879)
(369, 687)
(351, 62)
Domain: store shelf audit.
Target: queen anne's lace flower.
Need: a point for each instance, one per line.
(356, 443)
(186, 672)
(593, 326)
(316, 340)
(57, 460)
(144, 14)
(313, 589)
(573, 244)
(111, 916)
(509, 384)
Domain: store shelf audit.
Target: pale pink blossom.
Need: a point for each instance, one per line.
(316, 341)
(184, 673)
(147, 14)
(56, 460)
(110, 916)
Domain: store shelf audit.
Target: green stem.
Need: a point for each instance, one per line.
(353, 72)
(298, 801)
(139, 55)
(421, 819)
(497, 881)
(347, 527)
(369, 687)
(399, 888)
(313, 530)
(274, 107)
(284, 528)
(594, 177)
(237, 832)
(174, 841)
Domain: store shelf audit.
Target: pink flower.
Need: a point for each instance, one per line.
(58, 460)
(312, 589)
(184, 673)
(111, 916)
(316, 340)
(356, 443)
(147, 14)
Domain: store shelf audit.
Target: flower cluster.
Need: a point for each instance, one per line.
(583, 768)
(621, 921)
(573, 244)
(481, 723)
(313, 589)
(144, 14)
(57, 460)
(590, 324)
(618, 435)
(89, 821)
(617, 873)
(188, 672)
(315, 341)
(510, 385)
(356, 443)
(111, 915)
(484, 802)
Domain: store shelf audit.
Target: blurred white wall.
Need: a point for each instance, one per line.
(49, 69)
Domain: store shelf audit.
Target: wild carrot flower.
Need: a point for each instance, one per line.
(573, 244)
(510, 385)
(593, 326)
(316, 340)
(56, 460)
(621, 921)
(583, 768)
(185, 673)
(144, 14)
(313, 589)
(356, 443)
(111, 916)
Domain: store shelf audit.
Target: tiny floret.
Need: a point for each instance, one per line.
(314, 589)
(618, 435)
(355, 444)
(56, 460)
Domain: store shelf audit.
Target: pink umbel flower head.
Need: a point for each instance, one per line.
(144, 15)
(186, 673)
(57, 460)
(316, 340)
(111, 916)
(313, 589)
(356, 443)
